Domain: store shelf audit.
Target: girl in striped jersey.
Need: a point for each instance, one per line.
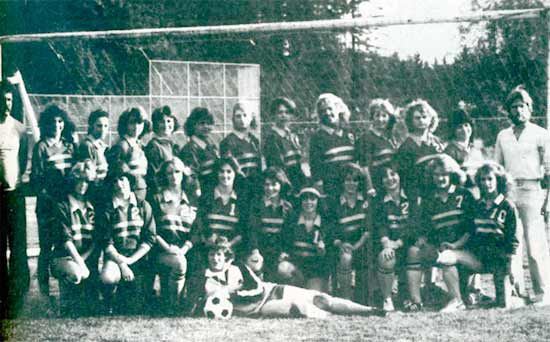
(161, 147)
(94, 147)
(222, 211)
(392, 235)
(421, 145)
(331, 146)
(350, 238)
(493, 240)
(75, 254)
(304, 240)
(52, 158)
(174, 216)
(445, 222)
(200, 153)
(242, 145)
(281, 147)
(376, 147)
(127, 154)
(129, 233)
(267, 216)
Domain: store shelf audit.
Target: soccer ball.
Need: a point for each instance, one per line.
(286, 269)
(218, 306)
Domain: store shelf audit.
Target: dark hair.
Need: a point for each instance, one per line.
(380, 173)
(159, 114)
(232, 162)
(128, 115)
(198, 114)
(278, 174)
(449, 165)
(457, 118)
(94, 116)
(504, 180)
(47, 121)
(117, 173)
(288, 103)
(518, 93)
(424, 107)
(221, 244)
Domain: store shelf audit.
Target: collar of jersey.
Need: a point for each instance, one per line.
(218, 194)
(120, 203)
(316, 221)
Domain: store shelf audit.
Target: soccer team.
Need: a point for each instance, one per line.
(368, 222)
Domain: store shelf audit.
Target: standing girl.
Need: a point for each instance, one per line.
(53, 156)
(281, 147)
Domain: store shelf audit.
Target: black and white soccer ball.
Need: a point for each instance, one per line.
(218, 306)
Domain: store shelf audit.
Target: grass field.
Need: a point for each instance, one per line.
(525, 324)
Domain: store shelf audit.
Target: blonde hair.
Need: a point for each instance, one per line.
(425, 107)
(341, 108)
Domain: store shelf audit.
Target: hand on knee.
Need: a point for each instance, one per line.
(386, 259)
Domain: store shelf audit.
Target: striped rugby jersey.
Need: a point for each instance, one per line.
(447, 221)
(301, 243)
(266, 225)
(129, 156)
(74, 221)
(200, 156)
(222, 219)
(392, 219)
(94, 149)
(174, 217)
(329, 150)
(494, 230)
(282, 148)
(246, 151)
(411, 160)
(351, 222)
(51, 163)
(128, 224)
(374, 151)
(157, 151)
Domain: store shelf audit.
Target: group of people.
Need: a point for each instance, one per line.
(367, 222)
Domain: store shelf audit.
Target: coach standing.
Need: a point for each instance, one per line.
(524, 151)
(13, 161)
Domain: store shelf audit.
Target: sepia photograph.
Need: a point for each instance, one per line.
(275, 170)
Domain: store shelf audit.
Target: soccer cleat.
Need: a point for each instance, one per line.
(410, 306)
(388, 305)
(453, 306)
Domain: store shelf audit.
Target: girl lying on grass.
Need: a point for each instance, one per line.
(253, 297)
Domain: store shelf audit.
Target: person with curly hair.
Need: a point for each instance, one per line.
(52, 159)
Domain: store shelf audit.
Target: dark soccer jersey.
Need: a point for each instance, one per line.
(51, 163)
(283, 150)
(129, 157)
(392, 219)
(266, 226)
(374, 151)
(128, 225)
(222, 219)
(157, 151)
(74, 221)
(301, 244)
(457, 152)
(246, 151)
(200, 156)
(494, 230)
(328, 152)
(174, 217)
(411, 160)
(94, 150)
(447, 221)
(351, 222)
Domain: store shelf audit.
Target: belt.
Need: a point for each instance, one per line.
(520, 182)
